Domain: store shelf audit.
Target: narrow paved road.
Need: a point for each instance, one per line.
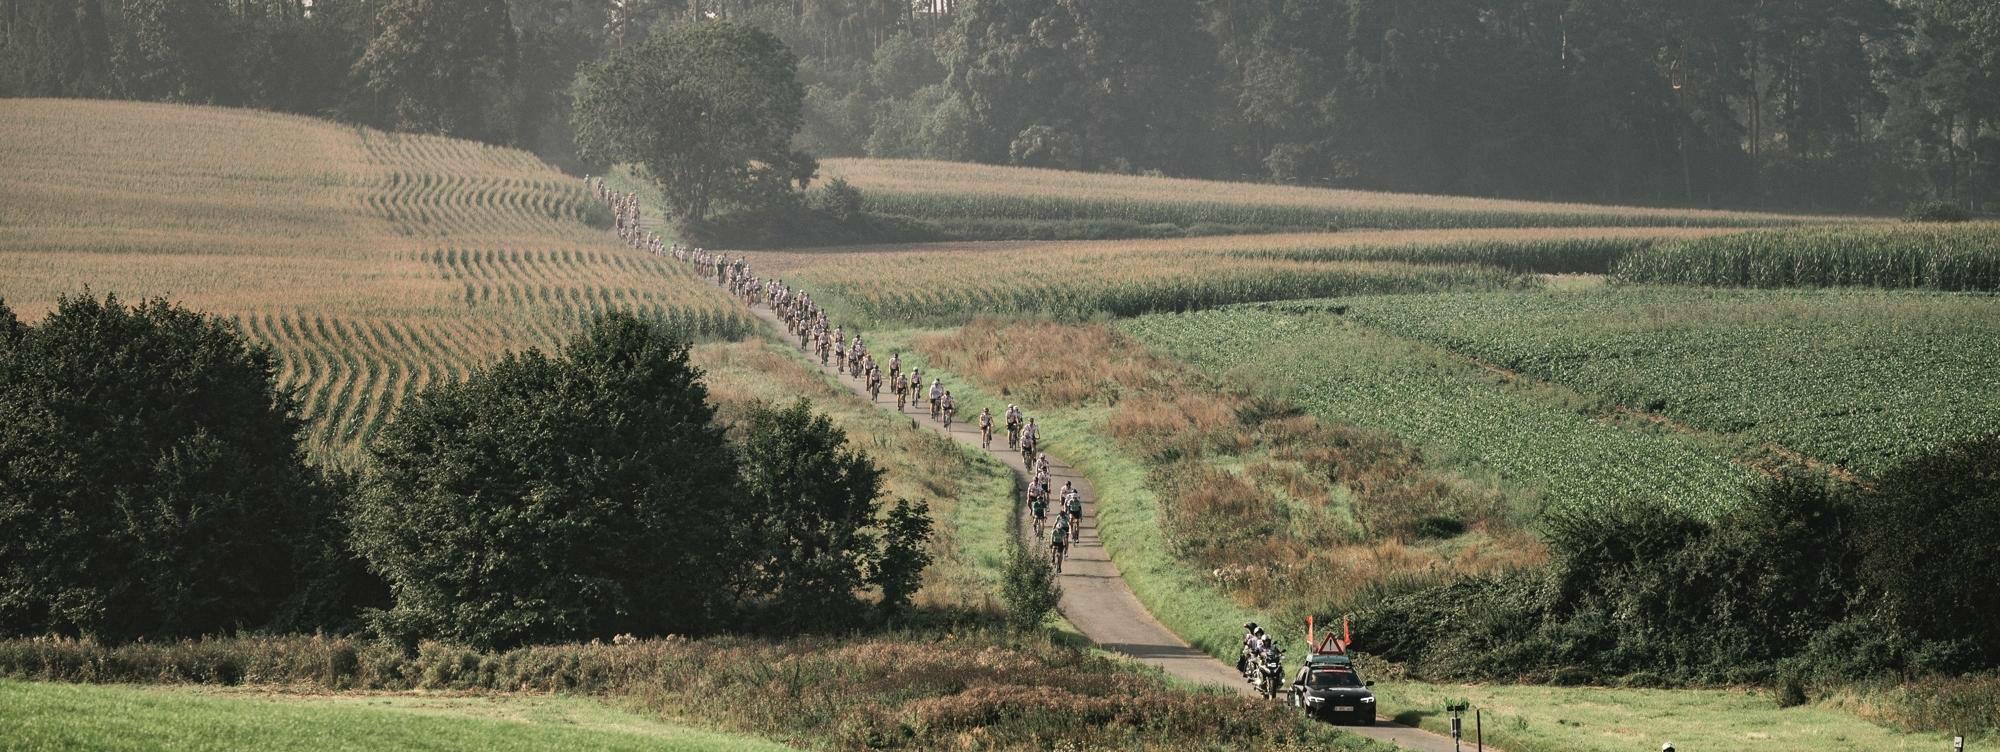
(1095, 597)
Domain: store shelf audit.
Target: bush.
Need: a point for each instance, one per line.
(554, 498)
(1936, 211)
(1030, 589)
(805, 515)
(837, 200)
(1789, 587)
(151, 478)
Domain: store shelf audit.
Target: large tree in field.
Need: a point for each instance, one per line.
(443, 66)
(708, 109)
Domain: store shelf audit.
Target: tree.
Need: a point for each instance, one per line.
(808, 504)
(899, 569)
(554, 498)
(151, 478)
(177, 50)
(708, 109)
(444, 67)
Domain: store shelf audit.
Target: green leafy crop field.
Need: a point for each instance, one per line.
(1854, 378)
(1550, 445)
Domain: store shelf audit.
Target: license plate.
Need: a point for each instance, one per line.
(1343, 708)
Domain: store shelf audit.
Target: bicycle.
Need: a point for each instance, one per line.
(1028, 453)
(947, 418)
(1057, 551)
(986, 436)
(1013, 435)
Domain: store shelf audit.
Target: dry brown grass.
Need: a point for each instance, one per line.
(1284, 510)
(374, 263)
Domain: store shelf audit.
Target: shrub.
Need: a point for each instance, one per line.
(554, 498)
(805, 515)
(151, 478)
(1936, 211)
(1029, 586)
(836, 199)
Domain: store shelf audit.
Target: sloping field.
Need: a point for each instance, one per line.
(373, 262)
(950, 191)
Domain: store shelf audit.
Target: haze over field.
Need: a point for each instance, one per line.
(703, 374)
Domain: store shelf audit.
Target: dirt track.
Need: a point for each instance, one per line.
(1095, 597)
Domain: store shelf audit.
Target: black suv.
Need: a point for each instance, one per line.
(1327, 688)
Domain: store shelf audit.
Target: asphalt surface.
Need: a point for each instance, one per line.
(1095, 597)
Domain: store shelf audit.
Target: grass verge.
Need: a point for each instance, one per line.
(38, 716)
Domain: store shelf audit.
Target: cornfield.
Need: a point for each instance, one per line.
(950, 283)
(374, 263)
(950, 191)
(1927, 256)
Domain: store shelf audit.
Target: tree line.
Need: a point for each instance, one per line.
(153, 486)
(1809, 104)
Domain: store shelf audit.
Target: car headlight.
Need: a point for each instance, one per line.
(1367, 699)
(1314, 700)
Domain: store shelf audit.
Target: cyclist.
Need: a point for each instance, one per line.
(1073, 505)
(986, 428)
(1042, 463)
(902, 388)
(895, 365)
(1038, 507)
(1030, 433)
(1059, 543)
(1013, 427)
(950, 408)
(937, 397)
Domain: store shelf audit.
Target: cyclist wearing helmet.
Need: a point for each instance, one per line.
(1073, 504)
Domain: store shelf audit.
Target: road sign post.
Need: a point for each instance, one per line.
(1457, 723)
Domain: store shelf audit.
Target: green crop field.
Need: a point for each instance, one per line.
(1854, 378)
(1549, 444)
(37, 716)
(943, 191)
(374, 263)
(1928, 256)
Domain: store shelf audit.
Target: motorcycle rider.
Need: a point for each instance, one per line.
(1250, 640)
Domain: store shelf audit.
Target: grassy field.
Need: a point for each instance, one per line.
(1547, 445)
(1858, 379)
(1602, 719)
(374, 263)
(1925, 256)
(971, 688)
(46, 717)
(942, 191)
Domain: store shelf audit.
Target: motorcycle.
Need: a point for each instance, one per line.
(1266, 672)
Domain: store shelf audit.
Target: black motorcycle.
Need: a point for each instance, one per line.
(1267, 674)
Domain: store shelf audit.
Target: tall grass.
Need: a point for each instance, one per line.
(948, 191)
(369, 257)
(1927, 256)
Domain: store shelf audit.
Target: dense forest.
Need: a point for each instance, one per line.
(1797, 104)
